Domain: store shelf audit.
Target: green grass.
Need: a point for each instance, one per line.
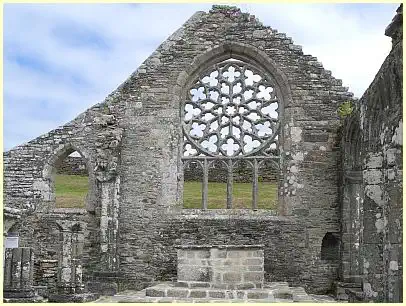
(71, 191)
(242, 195)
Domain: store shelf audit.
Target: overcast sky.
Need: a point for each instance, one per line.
(61, 59)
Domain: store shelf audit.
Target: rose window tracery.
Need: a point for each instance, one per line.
(231, 110)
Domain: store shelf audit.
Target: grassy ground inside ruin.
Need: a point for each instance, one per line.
(71, 191)
(242, 195)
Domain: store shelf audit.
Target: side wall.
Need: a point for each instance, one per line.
(372, 220)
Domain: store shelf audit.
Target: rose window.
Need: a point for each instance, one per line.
(231, 110)
(231, 122)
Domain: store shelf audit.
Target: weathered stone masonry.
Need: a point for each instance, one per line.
(132, 144)
(372, 173)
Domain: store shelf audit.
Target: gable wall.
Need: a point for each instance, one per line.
(151, 188)
(147, 127)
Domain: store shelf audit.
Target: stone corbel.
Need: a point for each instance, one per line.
(71, 226)
(106, 171)
(12, 216)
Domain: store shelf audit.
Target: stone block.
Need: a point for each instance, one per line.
(373, 160)
(182, 254)
(155, 292)
(194, 273)
(19, 293)
(191, 254)
(103, 287)
(245, 286)
(199, 285)
(232, 277)
(240, 294)
(253, 261)
(183, 261)
(309, 136)
(373, 176)
(41, 290)
(217, 294)
(258, 253)
(229, 262)
(182, 284)
(393, 157)
(202, 254)
(216, 253)
(257, 295)
(255, 277)
(182, 293)
(235, 254)
(219, 286)
(282, 294)
(256, 268)
(198, 294)
(34, 299)
(73, 298)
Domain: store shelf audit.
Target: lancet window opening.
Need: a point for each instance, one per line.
(231, 113)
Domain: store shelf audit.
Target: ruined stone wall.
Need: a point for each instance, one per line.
(133, 140)
(28, 168)
(29, 172)
(72, 166)
(151, 184)
(372, 192)
(41, 232)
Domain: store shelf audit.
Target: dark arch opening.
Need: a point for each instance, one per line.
(330, 247)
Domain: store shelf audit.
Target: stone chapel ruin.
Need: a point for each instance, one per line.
(222, 90)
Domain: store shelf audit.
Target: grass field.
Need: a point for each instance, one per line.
(71, 191)
(242, 195)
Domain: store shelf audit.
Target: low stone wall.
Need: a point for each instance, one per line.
(241, 174)
(289, 246)
(243, 264)
(73, 166)
(45, 273)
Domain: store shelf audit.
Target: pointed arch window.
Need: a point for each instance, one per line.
(232, 114)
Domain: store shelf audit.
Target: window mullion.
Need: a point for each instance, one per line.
(205, 183)
(230, 184)
(255, 185)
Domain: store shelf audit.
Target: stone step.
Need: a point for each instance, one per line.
(137, 299)
(217, 286)
(177, 300)
(242, 286)
(202, 293)
(274, 292)
(341, 287)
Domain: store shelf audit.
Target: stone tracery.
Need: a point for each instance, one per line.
(231, 110)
